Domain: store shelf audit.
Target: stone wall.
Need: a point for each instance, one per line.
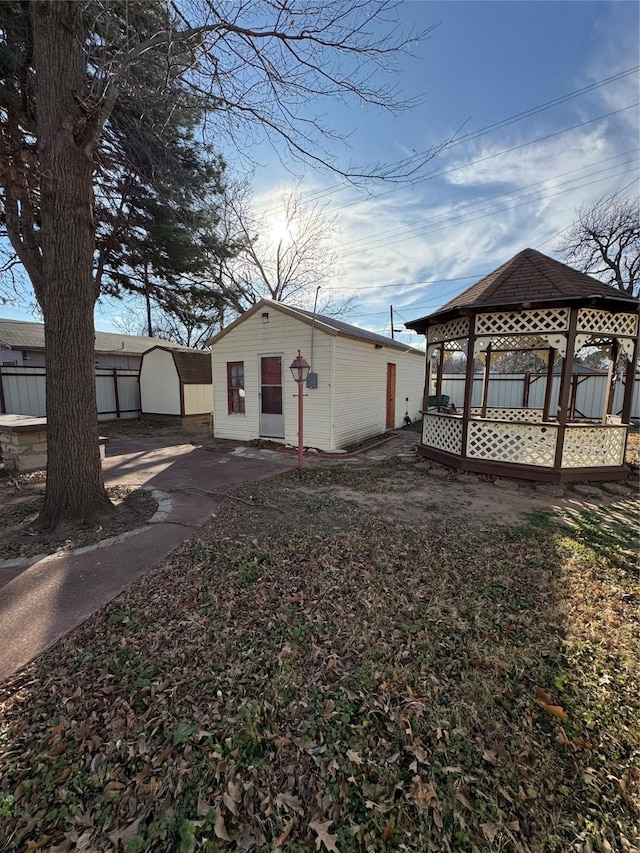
(23, 450)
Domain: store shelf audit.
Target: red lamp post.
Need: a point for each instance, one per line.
(299, 368)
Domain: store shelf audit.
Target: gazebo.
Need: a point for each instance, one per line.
(530, 303)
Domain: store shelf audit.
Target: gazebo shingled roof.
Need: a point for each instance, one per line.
(528, 277)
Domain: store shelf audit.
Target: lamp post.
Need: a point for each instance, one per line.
(299, 368)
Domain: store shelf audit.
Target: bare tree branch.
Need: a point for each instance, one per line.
(605, 242)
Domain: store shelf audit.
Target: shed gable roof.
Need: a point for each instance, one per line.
(326, 324)
(194, 368)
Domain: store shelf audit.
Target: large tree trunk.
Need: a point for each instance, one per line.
(67, 141)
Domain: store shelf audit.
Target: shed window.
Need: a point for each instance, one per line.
(235, 387)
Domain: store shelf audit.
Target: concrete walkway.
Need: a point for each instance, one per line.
(43, 599)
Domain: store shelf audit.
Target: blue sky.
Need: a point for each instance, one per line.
(517, 185)
(416, 247)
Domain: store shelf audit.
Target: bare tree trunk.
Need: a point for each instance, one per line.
(67, 295)
(147, 297)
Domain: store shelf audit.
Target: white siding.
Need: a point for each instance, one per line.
(159, 384)
(282, 335)
(360, 393)
(198, 399)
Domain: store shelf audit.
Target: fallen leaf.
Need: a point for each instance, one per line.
(324, 836)
(284, 834)
(557, 710)
(290, 801)
(354, 756)
(220, 829)
(490, 830)
(545, 697)
(124, 836)
(37, 845)
(389, 830)
(183, 732)
(230, 804)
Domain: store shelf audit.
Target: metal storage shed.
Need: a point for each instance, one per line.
(175, 385)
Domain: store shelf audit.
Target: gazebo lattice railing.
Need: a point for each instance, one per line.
(537, 442)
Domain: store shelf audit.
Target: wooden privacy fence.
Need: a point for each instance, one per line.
(526, 390)
(23, 392)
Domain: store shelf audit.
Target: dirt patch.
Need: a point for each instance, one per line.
(133, 508)
(136, 428)
(412, 492)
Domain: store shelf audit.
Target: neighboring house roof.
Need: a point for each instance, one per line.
(326, 324)
(193, 366)
(530, 276)
(18, 334)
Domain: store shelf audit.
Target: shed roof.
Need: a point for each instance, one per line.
(20, 334)
(194, 368)
(327, 324)
(530, 276)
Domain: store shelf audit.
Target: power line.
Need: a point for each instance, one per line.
(456, 290)
(431, 176)
(318, 194)
(604, 201)
(407, 283)
(425, 221)
(457, 219)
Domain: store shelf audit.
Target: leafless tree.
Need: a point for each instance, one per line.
(259, 68)
(288, 252)
(605, 242)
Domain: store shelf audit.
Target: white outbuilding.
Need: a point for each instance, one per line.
(360, 383)
(175, 386)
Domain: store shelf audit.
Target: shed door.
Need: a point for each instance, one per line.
(271, 417)
(391, 396)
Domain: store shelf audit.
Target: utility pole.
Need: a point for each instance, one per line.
(392, 328)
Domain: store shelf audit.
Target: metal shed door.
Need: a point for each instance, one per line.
(271, 417)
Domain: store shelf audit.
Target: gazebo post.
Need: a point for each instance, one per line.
(526, 385)
(485, 381)
(608, 400)
(439, 376)
(629, 385)
(549, 386)
(574, 395)
(565, 387)
(468, 383)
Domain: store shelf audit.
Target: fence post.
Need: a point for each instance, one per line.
(3, 408)
(115, 391)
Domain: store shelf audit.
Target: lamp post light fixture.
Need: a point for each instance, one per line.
(299, 368)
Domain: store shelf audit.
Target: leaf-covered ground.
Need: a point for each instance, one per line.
(133, 507)
(310, 675)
